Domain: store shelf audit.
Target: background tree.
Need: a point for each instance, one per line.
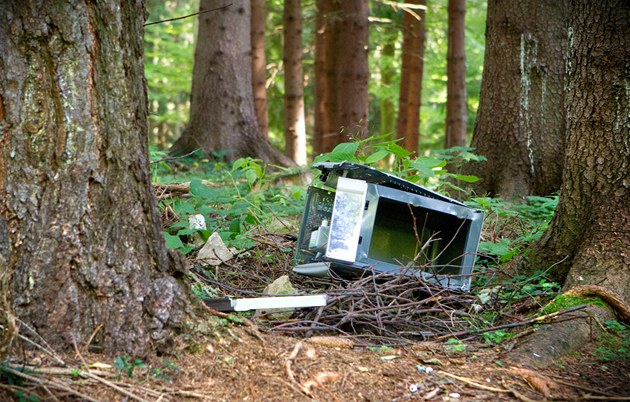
(321, 125)
(168, 51)
(411, 76)
(344, 96)
(588, 239)
(80, 236)
(456, 107)
(521, 132)
(222, 108)
(259, 65)
(294, 130)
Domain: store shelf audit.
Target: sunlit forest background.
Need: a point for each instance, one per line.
(169, 57)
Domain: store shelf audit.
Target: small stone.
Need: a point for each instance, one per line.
(281, 286)
(413, 388)
(197, 222)
(214, 252)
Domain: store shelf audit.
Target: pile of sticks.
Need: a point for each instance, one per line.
(387, 308)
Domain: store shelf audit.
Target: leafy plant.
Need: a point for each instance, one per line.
(496, 337)
(127, 364)
(512, 226)
(615, 345)
(165, 372)
(455, 345)
(235, 200)
(429, 171)
(381, 349)
(8, 376)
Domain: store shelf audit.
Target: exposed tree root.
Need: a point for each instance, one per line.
(615, 301)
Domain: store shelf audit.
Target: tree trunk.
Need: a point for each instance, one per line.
(350, 54)
(321, 125)
(388, 105)
(80, 235)
(294, 124)
(456, 108)
(342, 96)
(520, 123)
(222, 118)
(589, 235)
(411, 77)
(259, 65)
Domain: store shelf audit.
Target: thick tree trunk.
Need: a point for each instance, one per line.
(350, 53)
(589, 235)
(408, 125)
(456, 108)
(222, 115)
(520, 123)
(294, 124)
(259, 65)
(80, 235)
(321, 129)
(342, 91)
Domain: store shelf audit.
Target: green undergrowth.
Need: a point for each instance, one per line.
(614, 344)
(509, 227)
(237, 200)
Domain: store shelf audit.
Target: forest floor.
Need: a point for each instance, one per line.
(275, 367)
(372, 359)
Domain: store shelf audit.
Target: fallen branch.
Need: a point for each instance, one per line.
(289, 371)
(513, 324)
(44, 383)
(473, 383)
(250, 327)
(114, 386)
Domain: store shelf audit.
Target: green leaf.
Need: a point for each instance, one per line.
(198, 189)
(171, 242)
(397, 150)
(344, 152)
(376, 156)
(467, 178)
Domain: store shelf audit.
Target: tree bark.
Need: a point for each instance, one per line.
(222, 118)
(520, 125)
(588, 237)
(80, 236)
(343, 92)
(388, 72)
(294, 124)
(321, 125)
(456, 108)
(259, 65)
(350, 53)
(409, 101)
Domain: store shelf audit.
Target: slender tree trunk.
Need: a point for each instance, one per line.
(388, 106)
(408, 124)
(259, 65)
(456, 108)
(589, 237)
(222, 118)
(520, 125)
(80, 236)
(294, 130)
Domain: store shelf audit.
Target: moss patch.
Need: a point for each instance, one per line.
(562, 302)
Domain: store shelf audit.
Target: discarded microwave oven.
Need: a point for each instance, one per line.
(363, 219)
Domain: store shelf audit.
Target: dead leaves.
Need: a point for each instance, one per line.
(316, 381)
(539, 382)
